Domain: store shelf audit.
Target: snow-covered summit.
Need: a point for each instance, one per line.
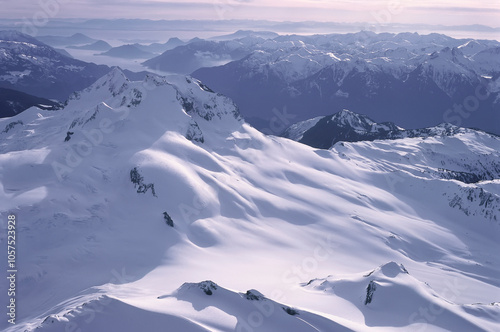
(119, 101)
(359, 123)
(342, 126)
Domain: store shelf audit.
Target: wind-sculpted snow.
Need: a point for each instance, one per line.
(238, 221)
(389, 295)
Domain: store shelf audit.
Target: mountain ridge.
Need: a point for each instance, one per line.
(348, 126)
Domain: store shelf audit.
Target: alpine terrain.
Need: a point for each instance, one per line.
(153, 206)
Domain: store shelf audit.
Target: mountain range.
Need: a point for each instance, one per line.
(31, 67)
(411, 79)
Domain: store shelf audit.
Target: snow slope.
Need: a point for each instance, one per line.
(255, 218)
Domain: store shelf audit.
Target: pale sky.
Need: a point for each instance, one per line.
(446, 12)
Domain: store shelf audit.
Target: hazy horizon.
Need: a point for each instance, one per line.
(149, 30)
(322, 16)
(445, 12)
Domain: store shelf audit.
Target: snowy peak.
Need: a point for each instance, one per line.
(442, 129)
(115, 76)
(115, 81)
(450, 70)
(349, 126)
(450, 52)
(212, 111)
(342, 126)
(472, 47)
(193, 111)
(389, 270)
(105, 89)
(358, 122)
(488, 61)
(449, 57)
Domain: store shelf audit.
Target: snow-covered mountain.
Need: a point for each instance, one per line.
(415, 80)
(152, 205)
(324, 132)
(469, 166)
(348, 126)
(30, 66)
